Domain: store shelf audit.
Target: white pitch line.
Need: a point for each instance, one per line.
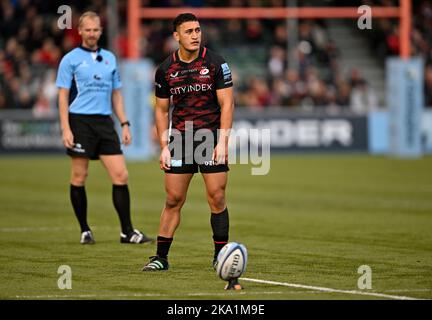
(311, 290)
(408, 290)
(330, 290)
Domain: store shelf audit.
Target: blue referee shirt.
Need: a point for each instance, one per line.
(90, 76)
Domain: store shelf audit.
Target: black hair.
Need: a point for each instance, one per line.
(183, 17)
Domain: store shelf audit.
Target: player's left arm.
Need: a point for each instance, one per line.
(119, 111)
(225, 98)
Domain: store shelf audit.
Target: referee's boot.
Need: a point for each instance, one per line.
(156, 263)
(135, 236)
(87, 237)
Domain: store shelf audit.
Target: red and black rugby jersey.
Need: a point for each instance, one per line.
(192, 87)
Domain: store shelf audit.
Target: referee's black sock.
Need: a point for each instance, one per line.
(79, 203)
(163, 246)
(121, 200)
(220, 226)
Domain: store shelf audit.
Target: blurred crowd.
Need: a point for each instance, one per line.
(32, 44)
(31, 47)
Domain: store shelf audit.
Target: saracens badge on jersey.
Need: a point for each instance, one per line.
(204, 71)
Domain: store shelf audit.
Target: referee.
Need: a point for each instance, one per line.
(89, 90)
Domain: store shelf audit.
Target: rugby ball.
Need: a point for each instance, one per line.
(231, 261)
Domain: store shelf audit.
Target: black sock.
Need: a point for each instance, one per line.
(163, 246)
(121, 200)
(220, 226)
(79, 203)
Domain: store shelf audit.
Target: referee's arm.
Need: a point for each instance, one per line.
(119, 110)
(63, 102)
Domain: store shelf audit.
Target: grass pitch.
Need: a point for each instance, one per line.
(313, 220)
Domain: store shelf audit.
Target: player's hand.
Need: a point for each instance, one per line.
(165, 159)
(126, 136)
(220, 153)
(68, 138)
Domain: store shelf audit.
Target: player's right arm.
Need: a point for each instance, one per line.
(162, 117)
(162, 120)
(64, 82)
(63, 102)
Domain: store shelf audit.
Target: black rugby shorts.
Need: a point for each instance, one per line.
(94, 135)
(189, 155)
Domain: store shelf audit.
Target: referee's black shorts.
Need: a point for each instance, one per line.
(94, 135)
(190, 155)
